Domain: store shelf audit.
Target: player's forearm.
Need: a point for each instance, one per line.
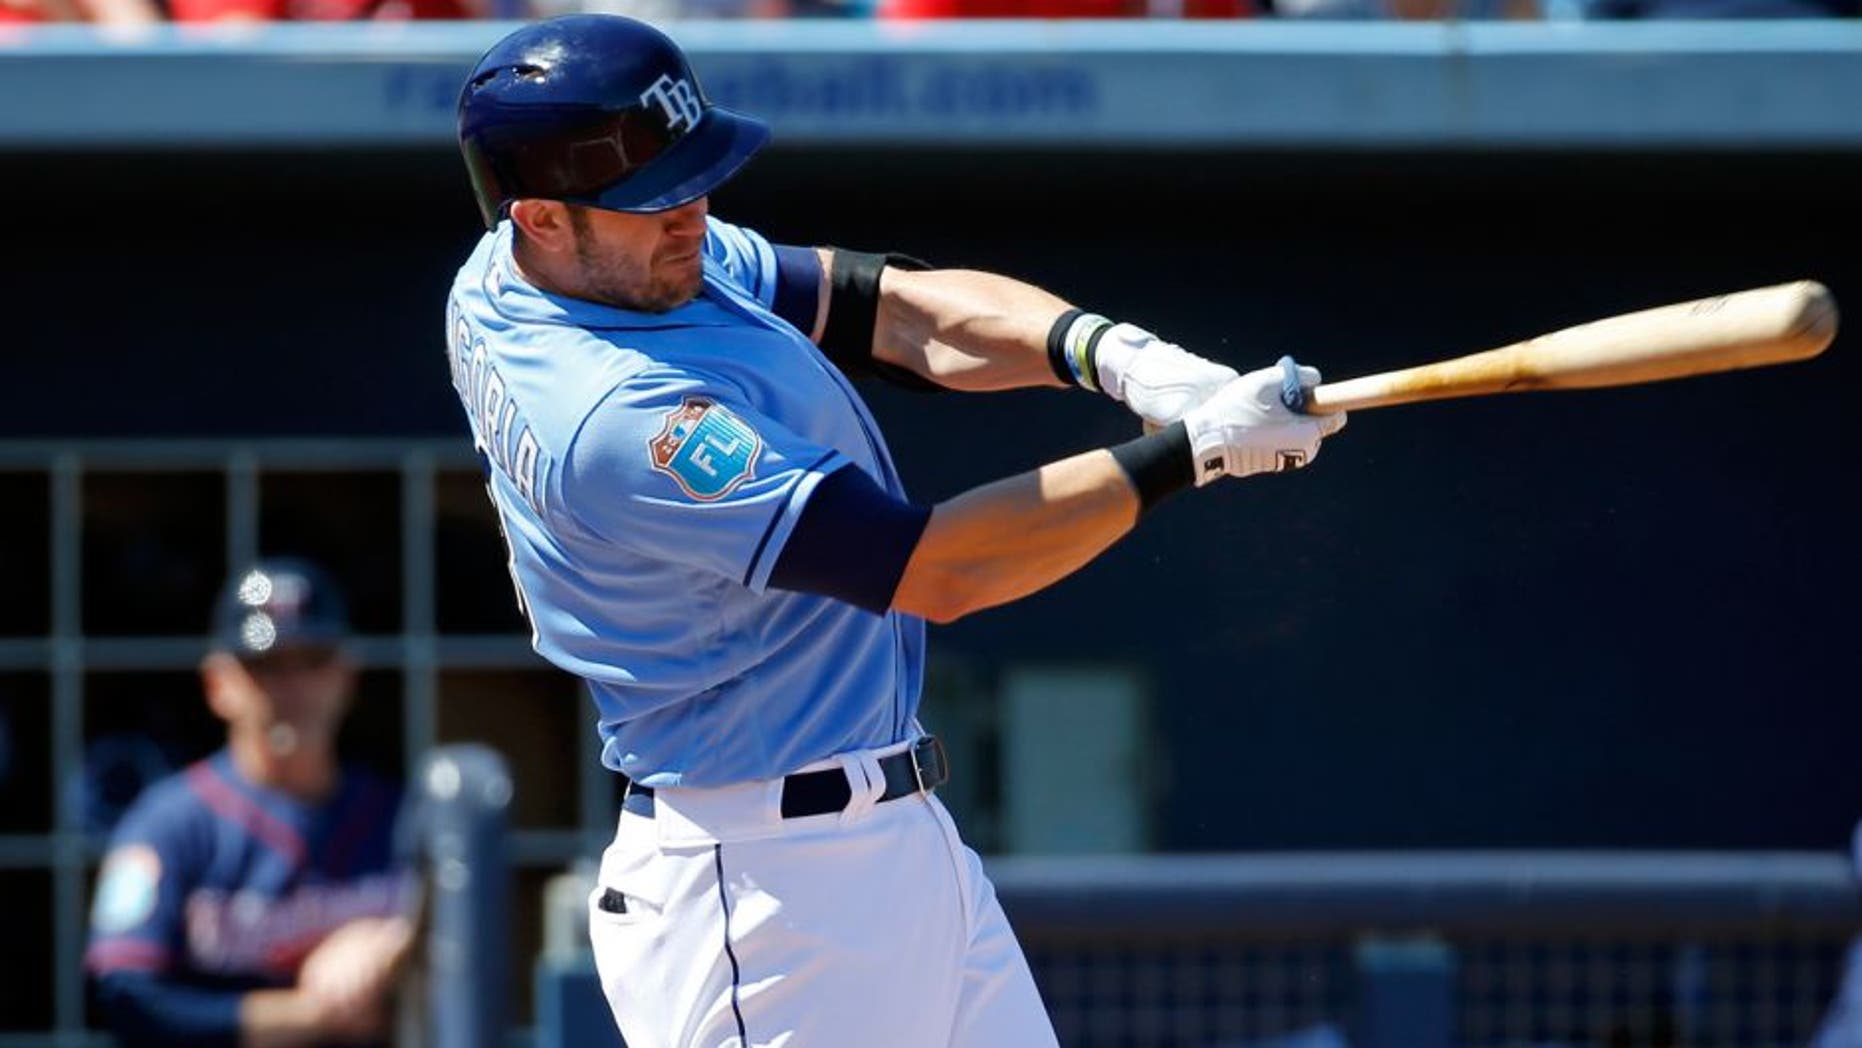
(1005, 540)
(279, 1019)
(966, 330)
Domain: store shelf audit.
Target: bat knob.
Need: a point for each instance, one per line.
(1292, 394)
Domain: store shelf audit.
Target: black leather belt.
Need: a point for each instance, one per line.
(921, 769)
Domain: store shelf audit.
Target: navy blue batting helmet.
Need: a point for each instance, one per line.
(279, 602)
(599, 110)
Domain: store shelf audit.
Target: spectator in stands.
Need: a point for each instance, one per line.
(1411, 10)
(663, 11)
(252, 898)
(1069, 8)
(336, 10)
(1690, 9)
(103, 12)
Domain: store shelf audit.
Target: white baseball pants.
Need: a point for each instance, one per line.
(873, 925)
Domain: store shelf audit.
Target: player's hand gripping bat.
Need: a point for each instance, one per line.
(1771, 325)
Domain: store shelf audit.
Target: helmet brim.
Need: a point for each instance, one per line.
(700, 162)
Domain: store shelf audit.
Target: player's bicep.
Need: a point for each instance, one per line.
(852, 542)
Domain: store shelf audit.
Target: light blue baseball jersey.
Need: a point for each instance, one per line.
(647, 470)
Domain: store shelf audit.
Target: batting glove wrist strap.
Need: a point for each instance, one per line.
(1158, 380)
(1071, 344)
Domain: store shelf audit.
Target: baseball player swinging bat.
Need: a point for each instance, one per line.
(1771, 325)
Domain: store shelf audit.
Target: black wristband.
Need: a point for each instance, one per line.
(1072, 344)
(1057, 345)
(1157, 463)
(1089, 357)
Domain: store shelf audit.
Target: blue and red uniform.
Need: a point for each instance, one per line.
(215, 887)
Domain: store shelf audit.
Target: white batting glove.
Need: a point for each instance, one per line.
(1158, 380)
(1247, 428)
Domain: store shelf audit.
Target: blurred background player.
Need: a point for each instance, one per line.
(252, 898)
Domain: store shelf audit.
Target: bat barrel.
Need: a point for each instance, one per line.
(1772, 325)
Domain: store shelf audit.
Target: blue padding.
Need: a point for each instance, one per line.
(1295, 893)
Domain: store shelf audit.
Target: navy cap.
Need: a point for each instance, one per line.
(279, 602)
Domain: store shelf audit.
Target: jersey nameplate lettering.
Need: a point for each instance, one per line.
(498, 428)
(705, 449)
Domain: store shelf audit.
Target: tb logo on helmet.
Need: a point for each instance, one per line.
(677, 100)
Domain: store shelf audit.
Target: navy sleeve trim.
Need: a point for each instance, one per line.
(852, 542)
(756, 558)
(798, 286)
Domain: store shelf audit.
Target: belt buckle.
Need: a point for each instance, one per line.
(930, 762)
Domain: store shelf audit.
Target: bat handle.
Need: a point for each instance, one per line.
(1292, 394)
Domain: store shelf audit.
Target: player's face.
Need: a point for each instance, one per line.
(650, 263)
(297, 694)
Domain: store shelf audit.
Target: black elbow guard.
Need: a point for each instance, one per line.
(853, 310)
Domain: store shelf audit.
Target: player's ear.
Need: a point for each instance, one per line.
(544, 223)
(217, 684)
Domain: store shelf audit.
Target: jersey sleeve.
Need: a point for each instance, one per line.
(852, 542)
(784, 278)
(677, 468)
(149, 1011)
(138, 910)
(745, 256)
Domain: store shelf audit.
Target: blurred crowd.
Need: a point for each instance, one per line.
(132, 12)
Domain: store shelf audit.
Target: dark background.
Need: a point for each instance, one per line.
(1614, 618)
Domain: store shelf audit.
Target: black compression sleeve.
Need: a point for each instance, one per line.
(852, 542)
(1158, 463)
(853, 311)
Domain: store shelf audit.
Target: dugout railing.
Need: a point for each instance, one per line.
(1428, 950)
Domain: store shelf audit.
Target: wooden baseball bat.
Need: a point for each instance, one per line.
(1770, 325)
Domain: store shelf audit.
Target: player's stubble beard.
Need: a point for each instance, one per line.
(647, 285)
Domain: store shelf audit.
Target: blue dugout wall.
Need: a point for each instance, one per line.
(1610, 619)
